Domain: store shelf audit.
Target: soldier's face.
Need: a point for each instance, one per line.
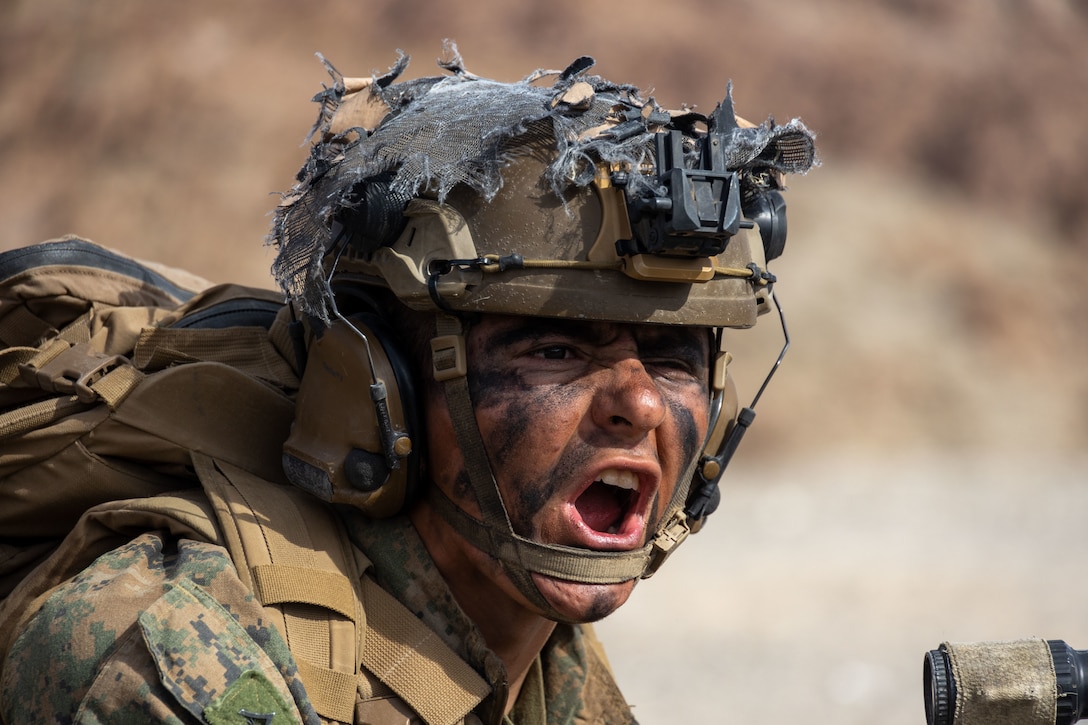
(588, 427)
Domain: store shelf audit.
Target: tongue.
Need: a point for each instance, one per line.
(600, 507)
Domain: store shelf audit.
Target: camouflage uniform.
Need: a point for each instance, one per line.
(158, 621)
(162, 629)
(571, 681)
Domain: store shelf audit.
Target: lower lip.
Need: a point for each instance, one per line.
(629, 535)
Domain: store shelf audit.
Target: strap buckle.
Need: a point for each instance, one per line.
(666, 542)
(448, 356)
(73, 372)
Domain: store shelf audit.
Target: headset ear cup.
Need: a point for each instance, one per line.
(350, 444)
(405, 408)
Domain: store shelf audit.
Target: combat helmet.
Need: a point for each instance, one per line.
(560, 195)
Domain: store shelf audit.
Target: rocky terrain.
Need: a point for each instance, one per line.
(915, 471)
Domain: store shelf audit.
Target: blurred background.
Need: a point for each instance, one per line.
(916, 471)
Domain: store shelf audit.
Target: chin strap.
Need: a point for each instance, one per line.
(495, 534)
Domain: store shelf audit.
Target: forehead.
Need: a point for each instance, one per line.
(500, 330)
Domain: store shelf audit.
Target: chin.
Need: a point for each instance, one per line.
(579, 603)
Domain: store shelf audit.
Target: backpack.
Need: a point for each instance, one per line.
(95, 348)
(94, 345)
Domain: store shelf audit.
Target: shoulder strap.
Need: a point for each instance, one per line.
(411, 659)
(292, 552)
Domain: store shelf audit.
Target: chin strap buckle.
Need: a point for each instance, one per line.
(666, 542)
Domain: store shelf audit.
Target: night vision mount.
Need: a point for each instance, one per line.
(696, 203)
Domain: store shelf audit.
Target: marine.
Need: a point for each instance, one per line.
(498, 396)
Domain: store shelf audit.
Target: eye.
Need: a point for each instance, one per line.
(554, 352)
(672, 366)
(680, 355)
(678, 368)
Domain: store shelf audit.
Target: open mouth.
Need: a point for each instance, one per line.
(604, 505)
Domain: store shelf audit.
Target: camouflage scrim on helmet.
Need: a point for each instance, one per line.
(379, 144)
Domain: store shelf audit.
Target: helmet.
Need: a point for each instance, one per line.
(561, 195)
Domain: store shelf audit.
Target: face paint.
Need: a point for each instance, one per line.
(587, 427)
(531, 496)
(524, 410)
(689, 431)
(538, 382)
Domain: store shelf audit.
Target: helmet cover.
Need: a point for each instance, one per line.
(465, 193)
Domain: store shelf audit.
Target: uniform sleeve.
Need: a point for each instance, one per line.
(155, 631)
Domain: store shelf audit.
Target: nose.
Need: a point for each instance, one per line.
(628, 403)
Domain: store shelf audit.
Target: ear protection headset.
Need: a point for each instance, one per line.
(356, 438)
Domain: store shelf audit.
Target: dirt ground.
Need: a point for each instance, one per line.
(916, 471)
(818, 587)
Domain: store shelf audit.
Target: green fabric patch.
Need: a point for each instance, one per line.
(200, 650)
(250, 700)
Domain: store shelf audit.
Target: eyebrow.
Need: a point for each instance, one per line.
(653, 338)
(545, 327)
(683, 341)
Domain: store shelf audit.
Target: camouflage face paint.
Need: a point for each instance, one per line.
(539, 443)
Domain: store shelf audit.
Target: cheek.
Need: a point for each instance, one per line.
(527, 429)
(521, 422)
(691, 424)
(689, 415)
(532, 493)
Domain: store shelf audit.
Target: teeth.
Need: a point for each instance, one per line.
(620, 479)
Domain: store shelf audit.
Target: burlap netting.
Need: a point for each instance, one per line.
(437, 133)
